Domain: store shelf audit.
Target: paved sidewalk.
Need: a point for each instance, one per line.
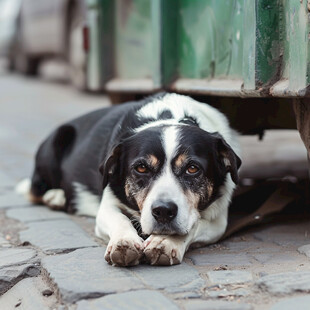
(51, 260)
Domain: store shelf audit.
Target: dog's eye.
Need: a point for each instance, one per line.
(141, 168)
(192, 169)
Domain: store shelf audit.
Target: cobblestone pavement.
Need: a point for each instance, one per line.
(51, 260)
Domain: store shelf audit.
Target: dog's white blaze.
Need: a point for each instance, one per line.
(170, 143)
(170, 102)
(167, 187)
(165, 122)
(208, 118)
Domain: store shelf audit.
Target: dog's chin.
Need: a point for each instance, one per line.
(167, 229)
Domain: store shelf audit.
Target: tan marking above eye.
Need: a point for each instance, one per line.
(192, 169)
(142, 168)
(180, 160)
(153, 160)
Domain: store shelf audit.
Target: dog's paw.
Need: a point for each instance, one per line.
(124, 251)
(55, 199)
(163, 250)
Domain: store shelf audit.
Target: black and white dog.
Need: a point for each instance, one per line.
(168, 163)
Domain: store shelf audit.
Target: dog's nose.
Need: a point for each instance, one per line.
(164, 212)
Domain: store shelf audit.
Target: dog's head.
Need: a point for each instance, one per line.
(169, 174)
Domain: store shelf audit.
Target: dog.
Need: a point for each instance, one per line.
(158, 174)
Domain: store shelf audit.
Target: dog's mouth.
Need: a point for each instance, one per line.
(167, 229)
(160, 230)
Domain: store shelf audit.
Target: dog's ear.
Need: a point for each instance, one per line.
(109, 164)
(230, 159)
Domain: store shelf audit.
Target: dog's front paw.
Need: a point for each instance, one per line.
(163, 250)
(124, 251)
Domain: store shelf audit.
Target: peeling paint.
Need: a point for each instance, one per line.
(210, 39)
(238, 35)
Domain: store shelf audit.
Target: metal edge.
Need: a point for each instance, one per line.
(131, 85)
(217, 87)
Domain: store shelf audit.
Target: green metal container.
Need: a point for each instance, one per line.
(247, 48)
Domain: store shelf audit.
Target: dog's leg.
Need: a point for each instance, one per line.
(169, 250)
(125, 247)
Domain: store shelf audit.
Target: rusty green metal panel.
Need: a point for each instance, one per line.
(216, 47)
(210, 38)
(249, 47)
(168, 41)
(298, 45)
(267, 42)
(294, 29)
(284, 28)
(133, 39)
(156, 20)
(100, 20)
(262, 45)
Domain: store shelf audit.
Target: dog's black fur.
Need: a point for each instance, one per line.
(162, 162)
(75, 151)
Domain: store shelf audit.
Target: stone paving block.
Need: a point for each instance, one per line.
(35, 214)
(193, 287)
(229, 276)
(11, 275)
(285, 283)
(305, 249)
(252, 246)
(240, 292)
(175, 279)
(215, 305)
(26, 295)
(56, 236)
(237, 246)
(218, 259)
(10, 257)
(263, 258)
(286, 240)
(146, 299)
(186, 295)
(285, 235)
(298, 303)
(12, 200)
(273, 258)
(84, 273)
